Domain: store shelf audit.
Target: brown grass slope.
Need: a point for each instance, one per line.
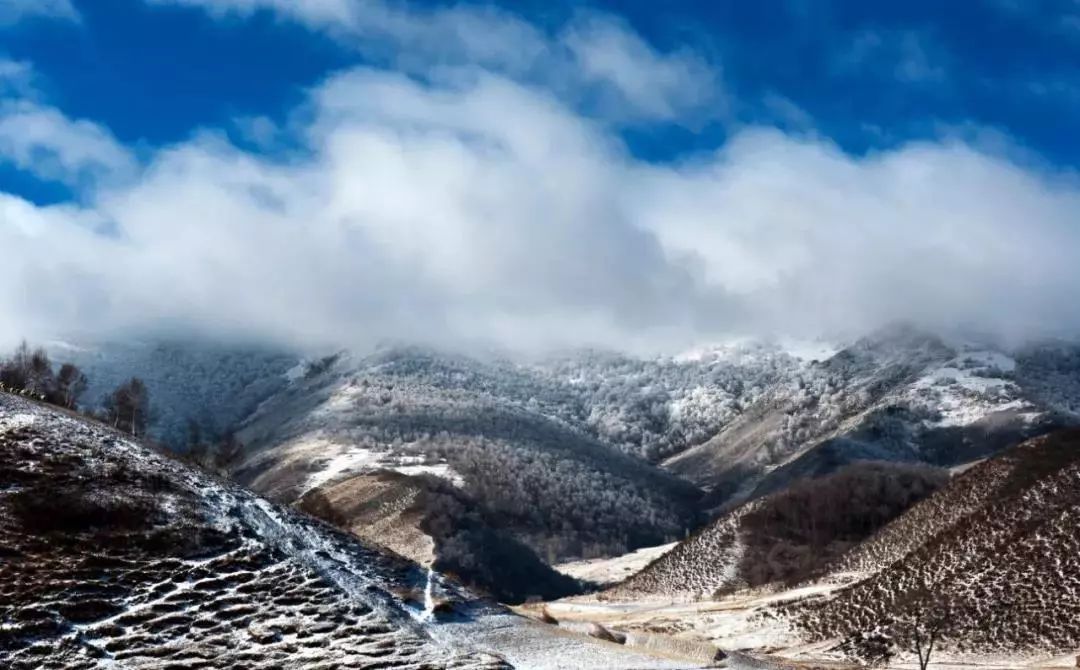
(1000, 546)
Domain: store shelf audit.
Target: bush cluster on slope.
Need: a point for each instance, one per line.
(794, 534)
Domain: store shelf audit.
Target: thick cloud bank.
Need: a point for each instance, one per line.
(470, 204)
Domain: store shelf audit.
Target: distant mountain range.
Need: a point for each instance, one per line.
(588, 453)
(898, 395)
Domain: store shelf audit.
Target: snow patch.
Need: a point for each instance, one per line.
(611, 570)
(338, 461)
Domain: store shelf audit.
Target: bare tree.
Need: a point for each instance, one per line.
(70, 385)
(229, 452)
(15, 371)
(931, 619)
(128, 407)
(39, 374)
(198, 451)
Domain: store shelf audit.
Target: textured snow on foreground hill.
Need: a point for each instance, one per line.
(112, 555)
(116, 555)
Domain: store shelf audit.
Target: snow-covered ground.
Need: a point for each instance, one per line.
(735, 623)
(969, 388)
(334, 460)
(606, 571)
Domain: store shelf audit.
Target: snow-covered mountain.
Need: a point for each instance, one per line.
(495, 470)
(588, 453)
(494, 451)
(897, 395)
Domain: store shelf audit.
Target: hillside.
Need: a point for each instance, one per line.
(116, 556)
(525, 470)
(656, 407)
(897, 395)
(113, 554)
(998, 549)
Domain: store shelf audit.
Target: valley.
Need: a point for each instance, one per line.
(548, 335)
(737, 505)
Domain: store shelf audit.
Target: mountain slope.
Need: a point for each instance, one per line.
(656, 407)
(112, 555)
(213, 385)
(999, 547)
(787, 536)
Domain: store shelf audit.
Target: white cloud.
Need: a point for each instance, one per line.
(907, 56)
(14, 11)
(315, 13)
(43, 141)
(595, 60)
(661, 86)
(470, 191)
(485, 209)
(16, 78)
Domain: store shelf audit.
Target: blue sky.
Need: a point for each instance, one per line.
(706, 102)
(865, 74)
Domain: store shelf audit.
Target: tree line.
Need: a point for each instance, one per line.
(30, 372)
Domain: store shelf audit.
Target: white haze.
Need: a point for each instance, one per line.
(476, 202)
